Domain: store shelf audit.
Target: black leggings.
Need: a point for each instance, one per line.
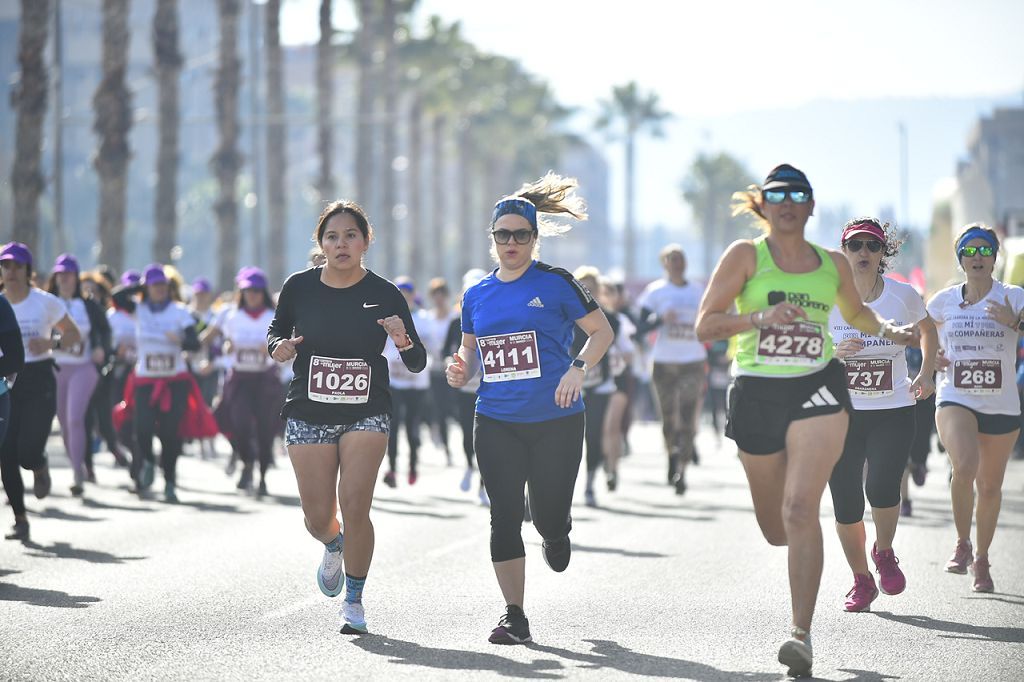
(596, 405)
(33, 405)
(407, 409)
(250, 405)
(467, 413)
(883, 439)
(442, 404)
(546, 455)
(922, 446)
(99, 416)
(151, 420)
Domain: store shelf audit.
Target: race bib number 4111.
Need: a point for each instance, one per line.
(798, 343)
(509, 357)
(338, 381)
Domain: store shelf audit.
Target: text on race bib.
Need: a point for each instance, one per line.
(797, 343)
(160, 363)
(680, 331)
(978, 377)
(333, 380)
(869, 378)
(251, 358)
(509, 357)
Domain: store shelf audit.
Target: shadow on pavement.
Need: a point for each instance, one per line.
(619, 552)
(96, 504)
(52, 598)
(60, 514)
(612, 656)
(210, 507)
(412, 512)
(1004, 597)
(63, 550)
(867, 675)
(412, 654)
(656, 515)
(959, 630)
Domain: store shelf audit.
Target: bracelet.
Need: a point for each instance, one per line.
(753, 321)
(408, 344)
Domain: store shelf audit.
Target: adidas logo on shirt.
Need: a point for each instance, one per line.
(535, 303)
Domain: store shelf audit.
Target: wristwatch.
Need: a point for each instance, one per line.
(1020, 324)
(581, 364)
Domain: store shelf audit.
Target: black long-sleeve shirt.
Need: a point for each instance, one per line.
(12, 350)
(340, 324)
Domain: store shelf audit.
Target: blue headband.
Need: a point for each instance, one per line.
(516, 206)
(976, 233)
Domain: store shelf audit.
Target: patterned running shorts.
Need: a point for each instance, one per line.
(298, 432)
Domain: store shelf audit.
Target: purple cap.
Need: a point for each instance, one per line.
(154, 274)
(251, 278)
(17, 252)
(405, 283)
(201, 285)
(66, 263)
(130, 278)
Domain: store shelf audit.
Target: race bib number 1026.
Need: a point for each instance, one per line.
(333, 380)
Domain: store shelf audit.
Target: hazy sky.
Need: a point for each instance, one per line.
(711, 61)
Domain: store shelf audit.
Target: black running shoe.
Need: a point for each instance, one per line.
(513, 628)
(557, 553)
(18, 532)
(680, 484)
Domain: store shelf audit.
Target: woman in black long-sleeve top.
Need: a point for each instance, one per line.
(12, 359)
(334, 320)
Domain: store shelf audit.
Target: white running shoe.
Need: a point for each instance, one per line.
(467, 480)
(797, 655)
(353, 619)
(330, 576)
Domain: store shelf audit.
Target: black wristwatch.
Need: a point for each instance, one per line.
(1020, 325)
(580, 363)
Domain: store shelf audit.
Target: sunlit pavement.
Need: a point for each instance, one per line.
(222, 587)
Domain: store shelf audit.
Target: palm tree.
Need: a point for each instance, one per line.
(168, 67)
(29, 98)
(227, 160)
(277, 162)
(636, 112)
(708, 189)
(389, 133)
(113, 109)
(324, 92)
(365, 101)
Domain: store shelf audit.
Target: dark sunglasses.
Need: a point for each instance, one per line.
(855, 245)
(777, 196)
(521, 236)
(971, 250)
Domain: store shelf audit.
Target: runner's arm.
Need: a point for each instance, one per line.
(731, 274)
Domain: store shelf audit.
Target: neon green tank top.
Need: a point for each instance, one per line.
(787, 350)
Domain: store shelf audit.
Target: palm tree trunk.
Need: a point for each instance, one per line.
(438, 192)
(113, 109)
(324, 69)
(277, 200)
(29, 98)
(415, 220)
(168, 67)
(630, 232)
(227, 160)
(389, 142)
(465, 235)
(364, 104)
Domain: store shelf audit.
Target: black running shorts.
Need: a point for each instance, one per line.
(989, 424)
(761, 408)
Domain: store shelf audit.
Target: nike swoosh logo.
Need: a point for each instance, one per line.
(370, 305)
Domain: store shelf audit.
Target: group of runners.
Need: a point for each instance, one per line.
(535, 366)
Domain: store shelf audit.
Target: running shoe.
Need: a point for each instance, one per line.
(90, 473)
(613, 482)
(413, 477)
(353, 619)
(467, 480)
(918, 472)
(42, 483)
(330, 577)
(680, 483)
(169, 496)
(797, 654)
(513, 627)
(262, 490)
(19, 531)
(982, 577)
(77, 490)
(389, 480)
(962, 557)
(590, 498)
(245, 480)
(695, 457)
(863, 593)
(147, 475)
(906, 508)
(557, 553)
(890, 578)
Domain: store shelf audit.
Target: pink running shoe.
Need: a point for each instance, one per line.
(982, 578)
(890, 578)
(863, 593)
(963, 555)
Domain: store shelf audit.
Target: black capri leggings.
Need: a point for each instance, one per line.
(467, 412)
(546, 455)
(33, 405)
(596, 406)
(407, 410)
(882, 438)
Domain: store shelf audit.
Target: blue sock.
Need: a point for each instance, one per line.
(336, 544)
(354, 589)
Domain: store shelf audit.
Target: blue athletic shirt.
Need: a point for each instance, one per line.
(524, 333)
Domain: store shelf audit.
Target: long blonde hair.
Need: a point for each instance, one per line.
(551, 194)
(748, 201)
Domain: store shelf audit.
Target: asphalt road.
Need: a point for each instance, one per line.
(221, 586)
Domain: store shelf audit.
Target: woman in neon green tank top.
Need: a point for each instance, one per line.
(788, 405)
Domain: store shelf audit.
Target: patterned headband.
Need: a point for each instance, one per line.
(516, 206)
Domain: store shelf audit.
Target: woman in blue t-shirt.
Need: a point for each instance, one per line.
(517, 327)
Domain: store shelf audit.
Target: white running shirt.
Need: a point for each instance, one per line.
(37, 315)
(248, 339)
(877, 376)
(158, 356)
(82, 353)
(676, 341)
(982, 352)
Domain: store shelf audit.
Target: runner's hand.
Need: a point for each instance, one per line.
(848, 347)
(285, 350)
(1002, 313)
(456, 372)
(570, 387)
(941, 361)
(395, 328)
(782, 313)
(922, 388)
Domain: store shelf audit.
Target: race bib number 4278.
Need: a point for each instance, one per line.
(798, 343)
(509, 357)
